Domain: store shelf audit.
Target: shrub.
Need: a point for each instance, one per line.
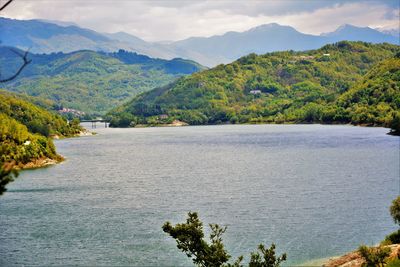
(374, 256)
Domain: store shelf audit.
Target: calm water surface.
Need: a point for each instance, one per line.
(316, 191)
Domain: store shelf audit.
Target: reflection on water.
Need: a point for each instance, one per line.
(316, 191)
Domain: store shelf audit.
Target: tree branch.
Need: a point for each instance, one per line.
(5, 5)
(26, 62)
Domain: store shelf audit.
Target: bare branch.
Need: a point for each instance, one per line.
(26, 62)
(5, 5)
(23, 56)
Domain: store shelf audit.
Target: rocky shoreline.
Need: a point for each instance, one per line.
(39, 163)
(354, 259)
(85, 132)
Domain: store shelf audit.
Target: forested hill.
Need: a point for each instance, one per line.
(25, 130)
(280, 87)
(375, 99)
(88, 81)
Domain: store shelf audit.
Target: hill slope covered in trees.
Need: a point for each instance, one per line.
(89, 81)
(25, 131)
(375, 99)
(280, 87)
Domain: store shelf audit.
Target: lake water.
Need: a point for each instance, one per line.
(316, 191)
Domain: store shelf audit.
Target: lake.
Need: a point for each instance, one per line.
(316, 191)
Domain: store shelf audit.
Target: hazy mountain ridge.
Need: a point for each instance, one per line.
(46, 37)
(352, 33)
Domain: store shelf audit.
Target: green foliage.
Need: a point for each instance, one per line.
(395, 210)
(358, 84)
(20, 146)
(92, 82)
(394, 124)
(393, 238)
(374, 256)
(267, 258)
(124, 120)
(7, 175)
(190, 239)
(36, 119)
(24, 135)
(393, 263)
(375, 99)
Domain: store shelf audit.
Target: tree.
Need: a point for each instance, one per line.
(189, 237)
(395, 210)
(395, 124)
(5, 5)
(394, 238)
(7, 175)
(25, 63)
(267, 258)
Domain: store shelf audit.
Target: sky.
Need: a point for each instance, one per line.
(160, 20)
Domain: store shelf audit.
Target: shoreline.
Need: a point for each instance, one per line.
(319, 262)
(39, 163)
(183, 124)
(44, 162)
(85, 132)
(349, 259)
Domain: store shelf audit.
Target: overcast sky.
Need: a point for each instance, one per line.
(179, 19)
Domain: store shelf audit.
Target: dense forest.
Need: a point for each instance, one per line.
(26, 130)
(345, 82)
(92, 82)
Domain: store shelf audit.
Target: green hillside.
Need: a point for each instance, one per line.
(280, 87)
(89, 81)
(375, 99)
(25, 130)
(19, 145)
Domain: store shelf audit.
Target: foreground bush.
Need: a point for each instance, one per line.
(189, 237)
(374, 256)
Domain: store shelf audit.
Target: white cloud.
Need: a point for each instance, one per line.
(179, 19)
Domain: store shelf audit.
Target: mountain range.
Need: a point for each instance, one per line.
(88, 81)
(48, 36)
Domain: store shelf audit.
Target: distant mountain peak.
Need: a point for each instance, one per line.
(350, 32)
(125, 37)
(270, 26)
(346, 26)
(349, 27)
